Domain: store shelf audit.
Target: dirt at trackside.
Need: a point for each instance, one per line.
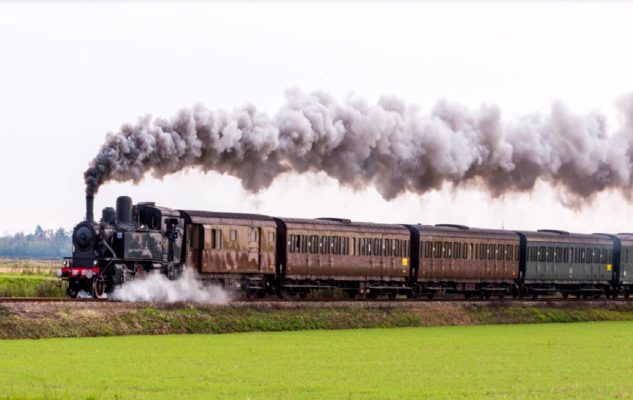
(73, 319)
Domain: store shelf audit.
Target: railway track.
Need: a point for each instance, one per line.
(48, 300)
(313, 302)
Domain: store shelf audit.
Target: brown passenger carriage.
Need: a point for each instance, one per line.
(459, 259)
(358, 257)
(232, 249)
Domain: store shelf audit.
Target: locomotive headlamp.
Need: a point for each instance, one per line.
(89, 274)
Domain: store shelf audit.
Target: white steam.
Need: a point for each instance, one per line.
(156, 288)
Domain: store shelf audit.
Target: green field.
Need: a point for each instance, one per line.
(28, 284)
(576, 360)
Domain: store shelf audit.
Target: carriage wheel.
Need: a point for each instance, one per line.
(372, 295)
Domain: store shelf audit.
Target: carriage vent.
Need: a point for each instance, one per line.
(341, 220)
(554, 231)
(456, 226)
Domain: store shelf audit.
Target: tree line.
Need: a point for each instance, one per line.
(39, 244)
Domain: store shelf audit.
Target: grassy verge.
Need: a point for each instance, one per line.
(555, 361)
(44, 320)
(29, 284)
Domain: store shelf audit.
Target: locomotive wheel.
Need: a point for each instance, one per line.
(372, 295)
(72, 292)
(391, 295)
(303, 294)
(565, 295)
(627, 295)
(351, 294)
(99, 289)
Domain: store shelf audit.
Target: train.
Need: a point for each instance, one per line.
(260, 256)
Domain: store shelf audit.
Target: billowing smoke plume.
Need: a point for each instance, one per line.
(156, 288)
(391, 145)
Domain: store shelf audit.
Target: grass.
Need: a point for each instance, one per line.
(577, 360)
(30, 284)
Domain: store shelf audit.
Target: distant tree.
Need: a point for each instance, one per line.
(40, 244)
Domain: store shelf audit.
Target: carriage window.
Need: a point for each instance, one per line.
(304, 244)
(361, 244)
(271, 237)
(558, 254)
(216, 235)
(233, 235)
(253, 235)
(589, 255)
(581, 255)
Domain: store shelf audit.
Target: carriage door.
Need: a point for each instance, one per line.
(255, 248)
(195, 245)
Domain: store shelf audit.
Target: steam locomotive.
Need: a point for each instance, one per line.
(262, 255)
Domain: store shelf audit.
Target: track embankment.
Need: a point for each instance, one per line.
(77, 319)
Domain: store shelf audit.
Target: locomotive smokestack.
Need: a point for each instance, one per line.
(124, 210)
(90, 200)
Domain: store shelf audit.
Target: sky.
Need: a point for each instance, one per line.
(72, 71)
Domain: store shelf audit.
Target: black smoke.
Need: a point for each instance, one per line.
(390, 145)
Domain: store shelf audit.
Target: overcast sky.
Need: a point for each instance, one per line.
(71, 72)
